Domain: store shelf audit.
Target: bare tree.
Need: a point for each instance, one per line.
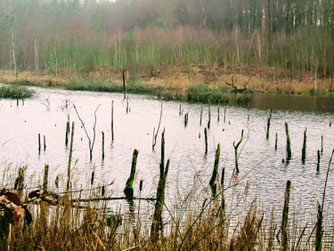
(91, 141)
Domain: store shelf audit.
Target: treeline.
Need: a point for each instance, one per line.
(56, 36)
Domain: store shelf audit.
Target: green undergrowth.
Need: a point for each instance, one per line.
(105, 86)
(204, 94)
(24, 83)
(15, 92)
(199, 93)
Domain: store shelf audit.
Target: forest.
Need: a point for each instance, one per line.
(296, 37)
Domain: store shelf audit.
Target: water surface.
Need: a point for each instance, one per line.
(260, 165)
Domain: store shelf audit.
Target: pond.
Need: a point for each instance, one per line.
(261, 167)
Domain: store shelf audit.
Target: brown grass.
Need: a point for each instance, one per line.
(182, 78)
(193, 221)
(202, 227)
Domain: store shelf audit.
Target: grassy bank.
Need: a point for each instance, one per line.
(200, 83)
(15, 92)
(196, 225)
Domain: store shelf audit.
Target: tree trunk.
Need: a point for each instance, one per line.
(36, 55)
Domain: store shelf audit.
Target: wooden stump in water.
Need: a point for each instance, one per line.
(102, 145)
(268, 125)
(319, 229)
(236, 151)
(218, 111)
(200, 116)
(112, 121)
(128, 190)
(209, 114)
(39, 143)
(67, 132)
(44, 143)
(124, 88)
(318, 162)
(45, 177)
(206, 140)
(285, 217)
(157, 224)
(70, 160)
(18, 186)
(186, 116)
(213, 180)
(322, 144)
(304, 147)
(288, 144)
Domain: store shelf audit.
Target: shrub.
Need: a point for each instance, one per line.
(15, 92)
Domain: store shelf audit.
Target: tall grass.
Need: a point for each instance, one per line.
(196, 221)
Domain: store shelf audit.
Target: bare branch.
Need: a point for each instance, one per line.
(90, 141)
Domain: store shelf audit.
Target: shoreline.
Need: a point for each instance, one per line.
(178, 81)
